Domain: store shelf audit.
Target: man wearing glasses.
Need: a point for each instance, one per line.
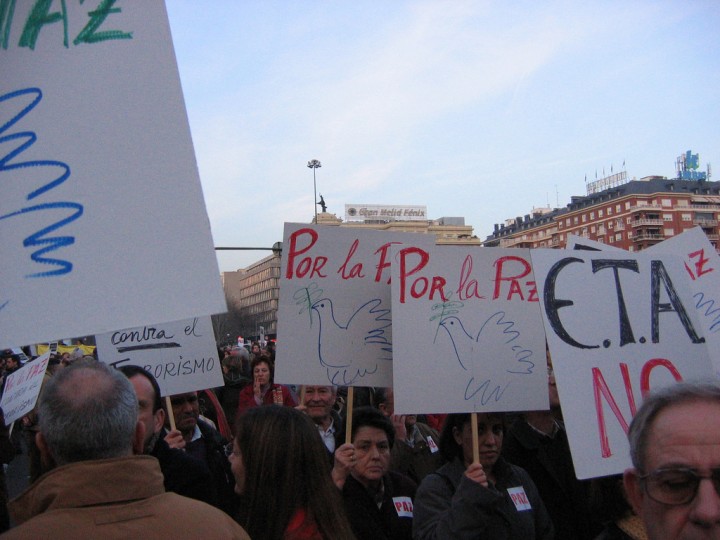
(675, 448)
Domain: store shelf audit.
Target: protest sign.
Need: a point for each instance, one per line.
(467, 329)
(181, 355)
(101, 208)
(22, 388)
(617, 326)
(334, 322)
(702, 264)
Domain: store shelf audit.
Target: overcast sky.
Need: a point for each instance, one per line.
(480, 109)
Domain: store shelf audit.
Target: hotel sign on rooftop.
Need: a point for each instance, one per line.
(378, 212)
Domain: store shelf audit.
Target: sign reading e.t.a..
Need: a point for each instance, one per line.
(618, 325)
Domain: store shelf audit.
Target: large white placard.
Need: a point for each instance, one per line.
(702, 264)
(334, 322)
(617, 325)
(181, 355)
(22, 388)
(467, 329)
(102, 218)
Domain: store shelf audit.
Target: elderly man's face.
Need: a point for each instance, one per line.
(319, 401)
(684, 436)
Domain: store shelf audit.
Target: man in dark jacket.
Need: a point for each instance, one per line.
(182, 473)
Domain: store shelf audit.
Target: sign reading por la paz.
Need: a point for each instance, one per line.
(22, 389)
(618, 324)
(468, 332)
(334, 314)
(181, 355)
(99, 189)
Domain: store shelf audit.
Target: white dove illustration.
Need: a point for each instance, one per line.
(353, 350)
(467, 347)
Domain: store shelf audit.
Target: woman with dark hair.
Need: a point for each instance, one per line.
(378, 502)
(486, 499)
(281, 473)
(263, 391)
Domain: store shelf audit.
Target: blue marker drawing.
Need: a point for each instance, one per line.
(347, 358)
(711, 309)
(69, 211)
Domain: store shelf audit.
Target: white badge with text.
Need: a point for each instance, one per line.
(403, 506)
(518, 496)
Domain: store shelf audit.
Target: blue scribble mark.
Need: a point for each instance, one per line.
(40, 238)
(305, 297)
(710, 308)
(472, 390)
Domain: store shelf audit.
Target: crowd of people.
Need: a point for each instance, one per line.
(256, 459)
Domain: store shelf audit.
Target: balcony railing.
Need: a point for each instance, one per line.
(644, 237)
(704, 222)
(644, 222)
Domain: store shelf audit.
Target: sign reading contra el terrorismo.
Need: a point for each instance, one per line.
(467, 329)
(334, 322)
(101, 208)
(618, 324)
(181, 355)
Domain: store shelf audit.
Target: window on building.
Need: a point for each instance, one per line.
(618, 208)
(627, 205)
(686, 217)
(592, 229)
(628, 221)
(584, 218)
(567, 222)
(667, 203)
(669, 232)
(592, 216)
(609, 210)
(575, 220)
(667, 217)
(601, 213)
(618, 237)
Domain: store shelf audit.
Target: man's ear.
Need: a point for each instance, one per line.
(47, 461)
(159, 419)
(633, 489)
(138, 443)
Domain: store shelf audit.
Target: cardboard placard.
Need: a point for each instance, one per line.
(468, 332)
(22, 388)
(181, 355)
(618, 324)
(101, 207)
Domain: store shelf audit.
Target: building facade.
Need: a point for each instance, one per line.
(631, 216)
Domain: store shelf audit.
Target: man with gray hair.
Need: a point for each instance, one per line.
(97, 488)
(674, 484)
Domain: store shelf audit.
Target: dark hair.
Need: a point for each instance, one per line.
(286, 470)
(449, 448)
(381, 395)
(132, 371)
(260, 359)
(368, 417)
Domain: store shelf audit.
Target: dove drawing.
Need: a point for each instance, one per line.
(352, 350)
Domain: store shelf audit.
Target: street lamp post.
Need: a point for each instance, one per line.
(314, 164)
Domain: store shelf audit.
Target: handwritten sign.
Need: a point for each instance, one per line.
(101, 208)
(181, 355)
(617, 326)
(468, 332)
(702, 264)
(334, 322)
(22, 389)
